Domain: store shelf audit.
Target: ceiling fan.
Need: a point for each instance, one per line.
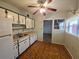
(42, 7)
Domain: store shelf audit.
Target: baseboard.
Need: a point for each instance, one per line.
(69, 51)
(57, 43)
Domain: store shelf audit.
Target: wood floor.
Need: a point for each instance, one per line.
(42, 50)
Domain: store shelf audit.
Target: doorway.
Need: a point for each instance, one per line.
(47, 31)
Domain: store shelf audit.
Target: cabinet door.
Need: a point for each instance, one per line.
(21, 19)
(15, 51)
(21, 47)
(31, 40)
(35, 37)
(13, 16)
(26, 43)
(2, 13)
(28, 23)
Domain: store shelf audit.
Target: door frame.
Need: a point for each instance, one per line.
(52, 29)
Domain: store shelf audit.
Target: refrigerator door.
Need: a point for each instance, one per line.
(5, 26)
(6, 48)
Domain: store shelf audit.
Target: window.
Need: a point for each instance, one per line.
(59, 24)
(72, 26)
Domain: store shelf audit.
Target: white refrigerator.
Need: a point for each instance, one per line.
(6, 41)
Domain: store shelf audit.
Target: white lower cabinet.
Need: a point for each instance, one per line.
(15, 51)
(33, 38)
(23, 45)
(26, 42)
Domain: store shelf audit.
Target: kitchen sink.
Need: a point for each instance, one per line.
(25, 34)
(22, 35)
(19, 35)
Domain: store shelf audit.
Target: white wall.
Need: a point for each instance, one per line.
(57, 36)
(39, 27)
(72, 42)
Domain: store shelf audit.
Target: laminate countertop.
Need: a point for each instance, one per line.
(22, 35)
(28, 33)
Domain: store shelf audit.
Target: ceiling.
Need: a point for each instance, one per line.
(57, 4)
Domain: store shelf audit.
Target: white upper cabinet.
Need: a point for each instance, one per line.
(2, 13)
(13, 16)
(21, 20)
(28, 23)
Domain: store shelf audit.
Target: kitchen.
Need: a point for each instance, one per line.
(22, 29)
(21, 40)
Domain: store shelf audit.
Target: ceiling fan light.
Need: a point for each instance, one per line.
(42, 10)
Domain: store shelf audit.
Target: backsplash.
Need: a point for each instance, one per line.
(23, 30)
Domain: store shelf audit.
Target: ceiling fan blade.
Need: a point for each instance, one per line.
(52, 9)
(31, 6)
(35, 12)
(49, 1)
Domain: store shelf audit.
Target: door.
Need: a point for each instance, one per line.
(47, 31)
